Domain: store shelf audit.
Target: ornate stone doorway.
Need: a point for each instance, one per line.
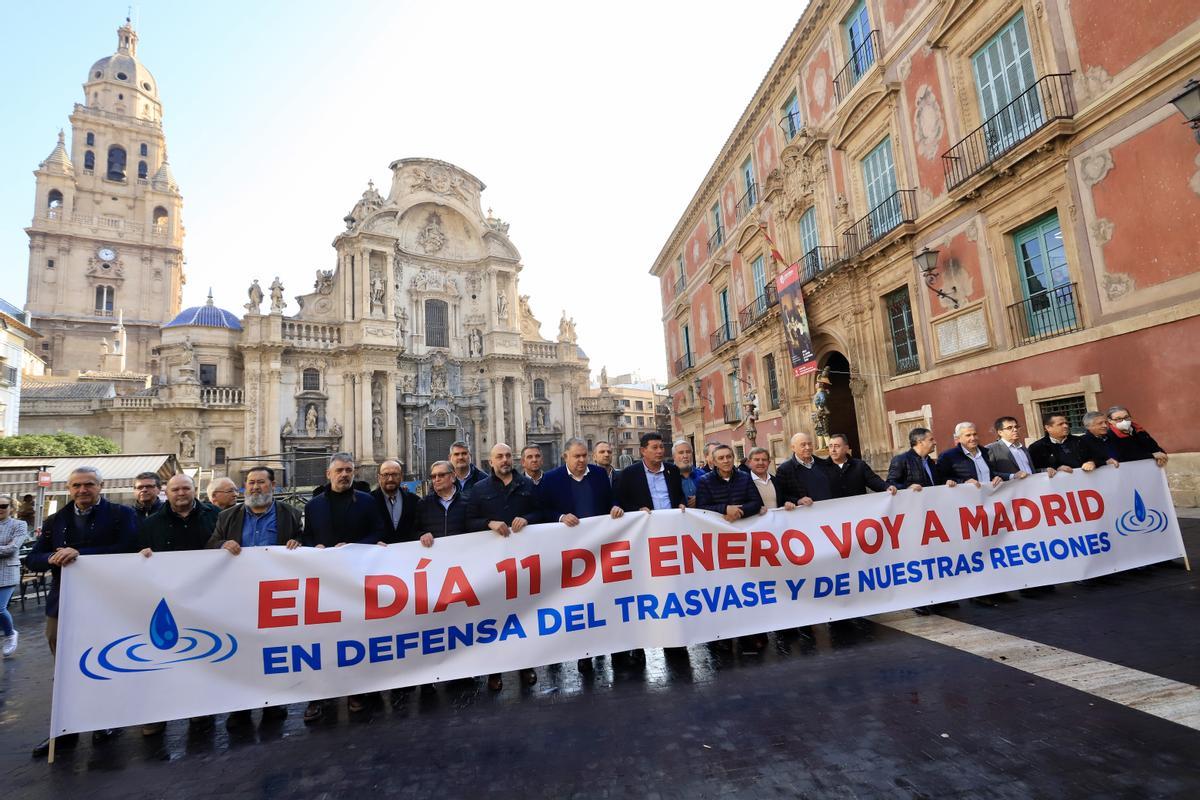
(437, 446)
(842, 415)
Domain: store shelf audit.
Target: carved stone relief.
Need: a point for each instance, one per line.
(431, 237)
(1102, 231)
(1117, 285)
(1095, 167)
(927, 123)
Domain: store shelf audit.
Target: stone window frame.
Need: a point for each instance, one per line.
(924, 415)
(1028, 398)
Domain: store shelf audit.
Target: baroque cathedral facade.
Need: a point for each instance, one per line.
(417, 337)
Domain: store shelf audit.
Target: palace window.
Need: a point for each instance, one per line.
(900, 325)
(879, 177)
(1049, 297)
(91, 139)
(144, 151)
(89, 161)
(791, 116)
(772, 382)
(142, 170)
(1073, 408)
(1003, 73)
(219, 456)
(311, 380)
(208, 374)
(437, 327)
(54, 199)
(539, 389)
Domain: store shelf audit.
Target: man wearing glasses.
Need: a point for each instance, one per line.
(442, 512)
(397, 506)
(146, 487)
(222, 493)
(1131, 441)
(1009, 456)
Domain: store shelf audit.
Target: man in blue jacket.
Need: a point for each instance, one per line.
(967, 462)
(341, 515)
(504, 503)
(87, 525)
(914, 469)
(466, 474)
(726, 489)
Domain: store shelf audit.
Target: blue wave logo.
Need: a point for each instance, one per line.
(164, 646)
(1140, 519)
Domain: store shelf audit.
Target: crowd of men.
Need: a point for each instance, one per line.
(462, 498)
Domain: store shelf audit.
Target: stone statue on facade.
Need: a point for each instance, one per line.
(310, 420)
(256, 297)
(566, 329)
(376, 290)
(335, 430)
(475, 343)
(431, 239)
(541, 417)
(820, 414)
(604, 376)
(286, 430)
(277, 301)
(187, 447)
(502, 305)
(377, 432)
(322, 285)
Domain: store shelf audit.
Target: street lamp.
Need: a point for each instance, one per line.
(1188, 104)
(927, 261)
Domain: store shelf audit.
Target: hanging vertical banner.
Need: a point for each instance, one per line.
(795, 321)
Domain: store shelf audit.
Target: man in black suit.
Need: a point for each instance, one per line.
(852, 476)
(914, 469)
(1098, 442)
(1058, 450)
(1008, 454)
(466, 474)
(803, 478)
(967, 462)
(650, 483)
(759, 459)
(397, 506)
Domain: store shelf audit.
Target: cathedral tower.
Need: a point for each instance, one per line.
(107, 235)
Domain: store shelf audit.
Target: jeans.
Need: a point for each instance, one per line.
(6, 620)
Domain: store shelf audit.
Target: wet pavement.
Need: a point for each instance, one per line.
(851, 709)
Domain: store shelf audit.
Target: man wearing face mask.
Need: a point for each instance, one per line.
(1131, 441)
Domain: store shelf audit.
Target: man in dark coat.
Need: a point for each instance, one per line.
(852, 476)
(146, 488)
(650, 483)
(336, 517)
(727, 490)
(803, 478)
(442, 512)
(397, 506)
(1099, 445)
(967, 462)
(504, 503)
(1058, 450)
(602, 457)
(575, 491)
(914, 469)
(184, 523)
(759, 460)
(1131, 441)
(466, 474)
(87, 525)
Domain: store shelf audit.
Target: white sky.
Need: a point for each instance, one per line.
(592, 126)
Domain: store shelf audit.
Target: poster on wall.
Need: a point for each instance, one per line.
(795, 321)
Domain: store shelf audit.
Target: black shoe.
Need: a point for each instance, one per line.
(314, 711)
(105, 735)
(986, 602)
(528, 676)
(272, 714)
(240, 720)
(923, 611)
(584, 665)
(65, 742)
(201, 724)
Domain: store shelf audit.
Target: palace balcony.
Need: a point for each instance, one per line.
(723, 335)
(898, 209)
(757, 310)
(1046, 314)
(860, 61)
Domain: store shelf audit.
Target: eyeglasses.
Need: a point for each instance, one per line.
(3, 505)
(1120, 418)
(1010, 428)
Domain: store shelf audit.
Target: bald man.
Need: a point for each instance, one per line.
(803, 478)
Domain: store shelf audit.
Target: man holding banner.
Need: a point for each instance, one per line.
(87, 525)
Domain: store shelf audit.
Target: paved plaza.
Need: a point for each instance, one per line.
(975, 703)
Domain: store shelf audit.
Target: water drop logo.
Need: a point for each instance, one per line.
(164, 646)
(1141, 519)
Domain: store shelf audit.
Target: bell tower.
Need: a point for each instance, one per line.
(107, 233)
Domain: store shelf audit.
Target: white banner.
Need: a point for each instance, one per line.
(183, 634)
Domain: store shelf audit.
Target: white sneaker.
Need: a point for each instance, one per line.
(10, 644)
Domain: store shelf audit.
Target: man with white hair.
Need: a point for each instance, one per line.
(262, 521)
(804, 477)
(87, 525)
(222, 493)
(968, 462)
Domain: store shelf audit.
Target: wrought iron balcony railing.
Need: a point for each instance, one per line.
(860, 61)
(684, 363)
(723, 334)
(1051, 98)
(819, 260)
(1046, 314)
(746, 202)
(893, 212)
(758, 308)
(733, 413)
(790, 124)
(680, 285)
(716, 240)
(905, 364)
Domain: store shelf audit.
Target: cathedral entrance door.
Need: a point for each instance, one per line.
(310, 467)
(437, 446)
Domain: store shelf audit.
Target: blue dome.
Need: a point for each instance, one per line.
(206, 316)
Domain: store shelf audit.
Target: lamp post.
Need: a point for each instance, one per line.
(927, 263)
(1187, 103)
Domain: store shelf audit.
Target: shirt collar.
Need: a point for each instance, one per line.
(661, 468)
(586, 470)
(765, 479)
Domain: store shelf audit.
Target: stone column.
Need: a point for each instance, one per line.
(406, 446)
(366, 446)
(519, 409)
(497, 411)
(349, 421)
(390, 436)
(271, 422)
